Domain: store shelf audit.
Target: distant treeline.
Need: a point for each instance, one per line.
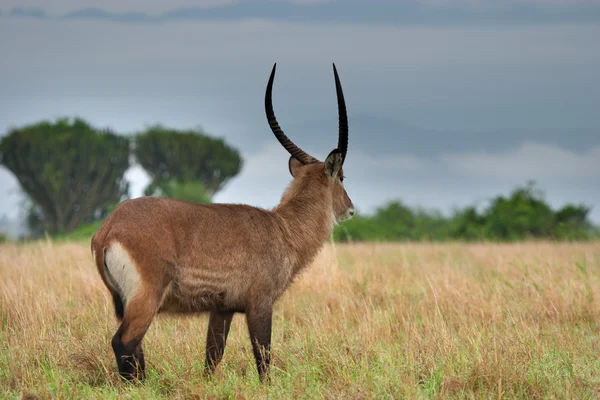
(524, 214)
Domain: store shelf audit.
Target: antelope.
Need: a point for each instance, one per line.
(160, 255)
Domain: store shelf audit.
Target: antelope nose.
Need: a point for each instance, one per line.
(351, 211)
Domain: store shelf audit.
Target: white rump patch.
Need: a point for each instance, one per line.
(121, 271)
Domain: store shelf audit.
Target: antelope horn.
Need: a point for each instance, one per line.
(342, 115)
(294, 150)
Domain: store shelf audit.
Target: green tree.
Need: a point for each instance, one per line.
(572, 222)
(187, 165)
(467, 224)
(523, 215)
(70, 171)
(397, 220)
(193, 192)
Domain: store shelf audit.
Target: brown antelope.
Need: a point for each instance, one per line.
(161, 255)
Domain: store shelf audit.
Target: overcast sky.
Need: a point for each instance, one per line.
(450, 103)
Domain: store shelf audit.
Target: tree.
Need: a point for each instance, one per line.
(572, 222)
(193, 192)
(70, 171)
(467, 224)
(523, 215)
(178, 161)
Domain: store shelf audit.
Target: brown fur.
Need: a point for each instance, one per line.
(219, 258)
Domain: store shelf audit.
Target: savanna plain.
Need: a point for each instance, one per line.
(423, 320)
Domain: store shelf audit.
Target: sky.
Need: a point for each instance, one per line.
(450, 102)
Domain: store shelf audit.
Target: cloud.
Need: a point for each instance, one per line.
(383, 169)
(265, 174)
(432, 12)
(263, 178)
(531, 160)
(138, 180)
(460, 84)
(10, 193)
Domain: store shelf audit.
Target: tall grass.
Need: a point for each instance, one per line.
(365, 321)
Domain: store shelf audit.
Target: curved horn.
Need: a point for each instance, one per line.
(343, 116)
(294, 150)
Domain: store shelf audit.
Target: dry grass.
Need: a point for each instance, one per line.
(391, 321)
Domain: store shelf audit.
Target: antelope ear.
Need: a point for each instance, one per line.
(333, 163)
(294, 165)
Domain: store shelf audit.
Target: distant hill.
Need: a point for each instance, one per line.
(404, 12)
(98, 13)
(28, 12)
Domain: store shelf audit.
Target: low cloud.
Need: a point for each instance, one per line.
(531, 160)
(362, 162)
(265, 174)
(262, 180)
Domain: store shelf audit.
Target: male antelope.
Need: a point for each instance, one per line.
(161, 255)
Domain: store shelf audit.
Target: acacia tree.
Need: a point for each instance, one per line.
(70, 171)
(188, 165)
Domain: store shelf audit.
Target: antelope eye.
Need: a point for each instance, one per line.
(342, 178)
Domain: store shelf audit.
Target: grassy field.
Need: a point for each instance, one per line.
(365, 321)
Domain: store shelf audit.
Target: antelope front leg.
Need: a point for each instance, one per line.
(259, 326)
(216, 338)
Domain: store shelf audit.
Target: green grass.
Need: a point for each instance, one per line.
(83, 233)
